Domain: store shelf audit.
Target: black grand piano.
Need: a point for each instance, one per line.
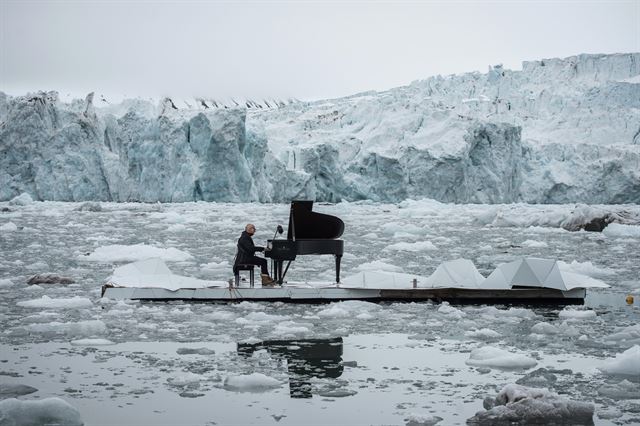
(308, 233)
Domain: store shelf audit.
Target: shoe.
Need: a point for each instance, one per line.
(267, 281)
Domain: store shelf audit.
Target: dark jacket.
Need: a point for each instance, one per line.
(246, 249)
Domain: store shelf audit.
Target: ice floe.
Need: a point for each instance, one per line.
(5, 283)
(621, 390)
(415, 419)
(490, 356)
(46, 302)
(132, 253)
(626, 363)
(254, 382)
(517, 404)
(413, 247)
(8, 227)
(80, 328)
(625, 335)
(23, 199)
(618, 230)
(14, 412)
(577, 314)
(586, 268)
(483, 334)
(92, 342)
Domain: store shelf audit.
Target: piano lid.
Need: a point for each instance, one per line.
(307, 224)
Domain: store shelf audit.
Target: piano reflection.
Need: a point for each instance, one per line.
(306, 359)
(308, 233)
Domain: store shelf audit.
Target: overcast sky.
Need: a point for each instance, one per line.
(307, 50)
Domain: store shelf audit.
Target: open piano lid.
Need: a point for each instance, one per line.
(307, 224)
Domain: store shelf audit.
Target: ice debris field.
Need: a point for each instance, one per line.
(69, 356)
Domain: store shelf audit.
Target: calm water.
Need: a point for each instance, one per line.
(343, 363)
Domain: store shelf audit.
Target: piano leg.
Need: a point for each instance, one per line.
(274, 269)
(338, 258)
(279, 272)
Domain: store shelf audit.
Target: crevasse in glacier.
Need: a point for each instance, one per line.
(559, 131)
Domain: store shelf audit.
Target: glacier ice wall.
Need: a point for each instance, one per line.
(558, 131)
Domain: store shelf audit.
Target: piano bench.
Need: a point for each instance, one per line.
(244, 267)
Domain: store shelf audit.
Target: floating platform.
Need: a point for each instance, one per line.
(295, 294)
(524, 281)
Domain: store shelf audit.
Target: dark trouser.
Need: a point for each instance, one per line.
(261, 262)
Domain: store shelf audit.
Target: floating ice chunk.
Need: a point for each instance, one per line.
(413, 247)
(489, 356)
(618, 230)
(124, 253)
(14, 412)
(176, 227)
(23, 199)
(223, 266)
(4, 283)
(483, 334)
(586, 268)
(8, 227)
(534, 244)
(264, 317)
(629, 335)
(517, 404)
(255, 382)
(92, 342)
(577, 314)
(37, 266)
(378, 265)
(626, 363)
(414, 419)
(544, 328)
(185, 379)
(347, 309)
(450, 311)
(334, 311)
(609, 413)
(89, 206)
(81, 328)
(544, 230)
(541, 377)
(623, 390)
(195, 351)
(395, 227)
(8, 390)
(365, 316)
(290, 327)
(75, 302)
(511, 314)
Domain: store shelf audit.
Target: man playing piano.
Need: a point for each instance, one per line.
(246, 254)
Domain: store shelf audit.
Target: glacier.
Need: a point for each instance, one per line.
(557, 131)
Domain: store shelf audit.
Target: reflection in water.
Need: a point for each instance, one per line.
(306, 358)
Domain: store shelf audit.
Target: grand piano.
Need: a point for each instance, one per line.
(308, 233)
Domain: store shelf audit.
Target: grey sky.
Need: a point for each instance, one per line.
(288, 49)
